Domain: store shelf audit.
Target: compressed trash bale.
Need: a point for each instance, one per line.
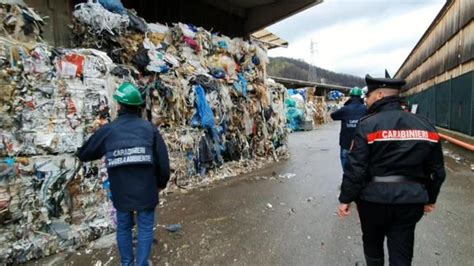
(186, 70)
(20, 22)
(53, 99)
(322, 115)
(48, 200)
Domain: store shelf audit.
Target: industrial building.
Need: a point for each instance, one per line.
(440, 69)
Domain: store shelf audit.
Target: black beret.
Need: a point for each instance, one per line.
(377, 83)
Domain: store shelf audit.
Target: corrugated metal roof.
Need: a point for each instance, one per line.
(268, 39)
(445, 45)
(433, 24)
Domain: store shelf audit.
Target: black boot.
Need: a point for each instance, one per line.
(374, 261)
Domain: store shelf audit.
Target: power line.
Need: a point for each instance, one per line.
(312, 71)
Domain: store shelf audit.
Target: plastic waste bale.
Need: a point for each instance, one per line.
(299, 100)
(208, 93)
(310, 112)
(115, 6)
(99, 19)
(294, 116)
(290, 102)
(335, 95)
(296, 109)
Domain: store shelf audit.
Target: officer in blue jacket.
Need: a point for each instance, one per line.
(349, 115)
(138, 167)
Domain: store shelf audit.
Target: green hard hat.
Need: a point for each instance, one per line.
(356, 91)
(128, 94)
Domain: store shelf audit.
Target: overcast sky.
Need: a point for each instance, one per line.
(357, 37)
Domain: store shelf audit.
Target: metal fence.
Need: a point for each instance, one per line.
(449, 104)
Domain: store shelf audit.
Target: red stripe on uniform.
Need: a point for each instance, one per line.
(433, 136)
(373, 136)
(402, 135)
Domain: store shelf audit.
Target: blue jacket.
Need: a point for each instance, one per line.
(136, 158)
(349, 115)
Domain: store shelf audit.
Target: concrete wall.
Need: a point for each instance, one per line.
(59, 13)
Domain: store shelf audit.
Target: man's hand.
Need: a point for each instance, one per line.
(429, 208)
(344, 210)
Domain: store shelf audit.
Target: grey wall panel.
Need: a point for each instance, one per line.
(59, 12)
(442, 102)
(461, 103)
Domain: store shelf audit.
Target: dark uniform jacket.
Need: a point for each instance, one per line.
(136, 158)
(349, 115)
(391, 142)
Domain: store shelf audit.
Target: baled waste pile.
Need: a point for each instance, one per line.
(51, 101)
(208, 94)
(301, 109)
(336, 100)
(321, 115)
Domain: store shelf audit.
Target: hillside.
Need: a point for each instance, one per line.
(298, 69)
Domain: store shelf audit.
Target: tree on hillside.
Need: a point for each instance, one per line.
(298, 69)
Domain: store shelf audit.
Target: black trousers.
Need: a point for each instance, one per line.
(396, 222)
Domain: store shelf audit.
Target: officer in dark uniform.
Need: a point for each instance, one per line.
(138, 167)
(349, 115)
(395, 173)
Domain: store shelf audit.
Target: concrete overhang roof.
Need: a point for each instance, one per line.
(234, 18)
(258, 14)
(303, 83)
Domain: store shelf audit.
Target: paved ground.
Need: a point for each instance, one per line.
(232, 223)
